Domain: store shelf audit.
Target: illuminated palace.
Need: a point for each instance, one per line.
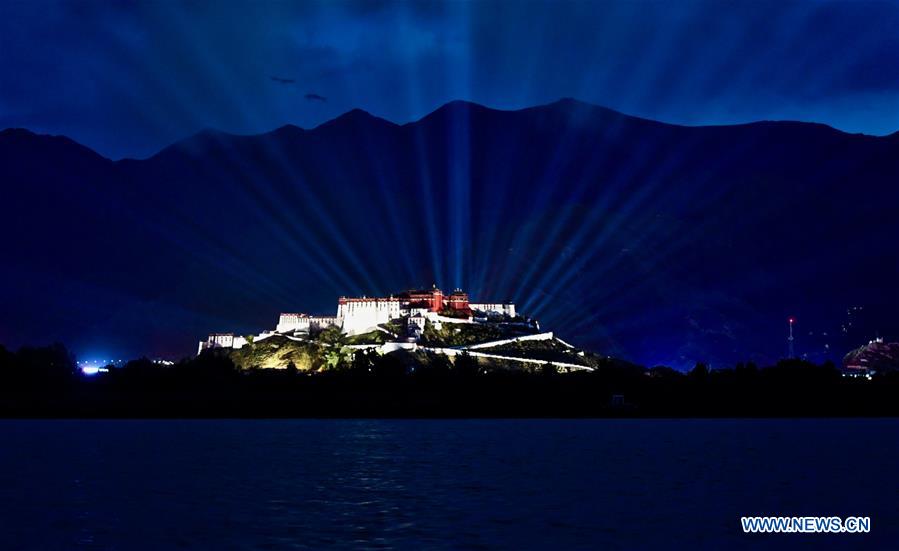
(357, 315)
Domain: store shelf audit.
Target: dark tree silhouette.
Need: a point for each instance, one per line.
(700, 371)
(466, 365)
(549, 369)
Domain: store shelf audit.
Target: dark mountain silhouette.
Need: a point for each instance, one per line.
(654, 242)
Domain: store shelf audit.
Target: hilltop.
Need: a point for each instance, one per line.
(330, 350)
(875, 357)
(416, 329)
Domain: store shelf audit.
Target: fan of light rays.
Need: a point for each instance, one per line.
(335, 263)
(560, 274)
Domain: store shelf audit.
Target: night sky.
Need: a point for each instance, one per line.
(128, 78)
(657, 243)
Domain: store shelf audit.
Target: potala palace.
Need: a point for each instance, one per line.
(359, 315)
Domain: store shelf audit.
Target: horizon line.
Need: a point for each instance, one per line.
(561, 100)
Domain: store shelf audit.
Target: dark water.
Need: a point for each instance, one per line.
(512, 484)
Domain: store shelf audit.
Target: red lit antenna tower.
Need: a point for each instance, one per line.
(792, 320)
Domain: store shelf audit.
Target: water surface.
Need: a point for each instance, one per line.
(440, 484)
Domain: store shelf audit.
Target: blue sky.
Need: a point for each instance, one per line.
(127, 78)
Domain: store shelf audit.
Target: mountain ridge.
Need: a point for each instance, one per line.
(357, 114)
(654, 242)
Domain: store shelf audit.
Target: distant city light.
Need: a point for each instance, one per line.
(90, 370)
